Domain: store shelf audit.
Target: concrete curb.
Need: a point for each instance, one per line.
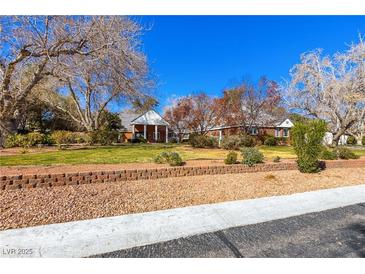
(91, 237)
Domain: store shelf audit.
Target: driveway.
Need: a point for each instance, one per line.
(336, 232)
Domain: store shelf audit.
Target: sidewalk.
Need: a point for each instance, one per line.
(90, 237)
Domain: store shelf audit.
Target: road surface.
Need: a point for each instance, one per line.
(336, 232)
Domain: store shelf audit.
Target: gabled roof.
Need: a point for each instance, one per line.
(286, 124)
(150, 117)
(127, 116)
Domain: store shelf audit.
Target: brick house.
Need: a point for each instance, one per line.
(281, 130)
(149, 125)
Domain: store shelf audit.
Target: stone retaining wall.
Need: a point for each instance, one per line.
(51, 180)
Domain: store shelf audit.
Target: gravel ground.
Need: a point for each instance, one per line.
(30, 207)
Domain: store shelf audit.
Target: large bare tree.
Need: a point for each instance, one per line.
(331, 88)
(35, 49)
(117, 72)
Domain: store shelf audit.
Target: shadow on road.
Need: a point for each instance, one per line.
(356, 239)
(229, 244)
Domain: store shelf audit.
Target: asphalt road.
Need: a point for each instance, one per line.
(337, 232)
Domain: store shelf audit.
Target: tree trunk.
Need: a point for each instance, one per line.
(6, 127)
(359, 138)
(337, 136)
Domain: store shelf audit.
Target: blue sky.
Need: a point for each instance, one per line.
(210, 53)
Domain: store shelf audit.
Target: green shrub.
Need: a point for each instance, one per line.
(232, 142)
(281, 140)
(175, 159)
(351, 140)
(276, 159)
(247, 140)
(307, 142)
(81, 138)
(270, 141)
(104, 136)
(231, 158)
(345, 153)
(21, 140)
(34, 138)
(10, 141)
(363, 141)
(173, 141)
(161, 158)
(251, 156)
(261, 137)
(235, 142)
(48, 140)
(62, 137)
(327, 154)
(202, 141)
(171, 158)
(24, 140)
(139, 140)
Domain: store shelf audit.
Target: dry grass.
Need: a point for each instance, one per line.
(30, 207)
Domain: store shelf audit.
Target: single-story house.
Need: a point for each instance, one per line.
(149, 125)
(281, 129)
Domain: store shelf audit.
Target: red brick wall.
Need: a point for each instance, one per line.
(52, 180)
(151, 131)
(237, 130)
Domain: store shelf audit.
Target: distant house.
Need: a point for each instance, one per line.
(281, 129)
(149, 125)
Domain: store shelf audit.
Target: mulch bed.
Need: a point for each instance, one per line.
(31, 207)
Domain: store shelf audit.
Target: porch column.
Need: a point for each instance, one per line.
(145, 132)
(167, 135)
(220, 138)
(156, 133)
(133, 130)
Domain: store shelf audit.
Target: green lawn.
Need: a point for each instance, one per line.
(132, 154)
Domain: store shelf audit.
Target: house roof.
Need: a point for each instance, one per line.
(127, 116)
(285, 124)
(150, 117)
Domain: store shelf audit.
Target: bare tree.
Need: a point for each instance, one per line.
(249, 105)
(118, 72)
(358, 128)
(331, 88)
(178, 115)
(35, 48)
(203, 114)
(197, 113)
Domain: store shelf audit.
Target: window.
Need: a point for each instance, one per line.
(139, 135)
(158, 135)
(286, 132)
(254, 131)
(277, 132)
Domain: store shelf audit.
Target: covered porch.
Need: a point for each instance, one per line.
(151, 133)
(151, 127)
